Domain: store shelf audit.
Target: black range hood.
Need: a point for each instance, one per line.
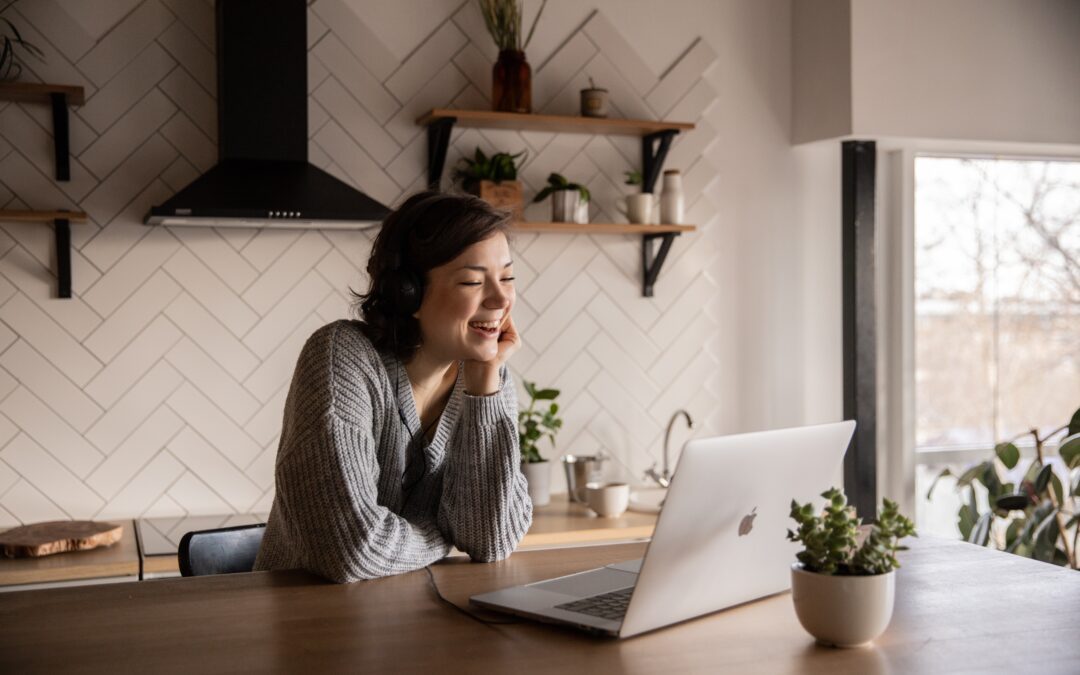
(263, 178)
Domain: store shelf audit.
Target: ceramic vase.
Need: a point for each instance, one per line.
(841, 610)
(671, 199)
(511, 83)
(538, 476)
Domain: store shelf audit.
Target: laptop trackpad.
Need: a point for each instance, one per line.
(589, 583)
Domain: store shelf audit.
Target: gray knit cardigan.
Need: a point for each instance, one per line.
(355, 498)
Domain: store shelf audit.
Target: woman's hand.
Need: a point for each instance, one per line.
(482, 377)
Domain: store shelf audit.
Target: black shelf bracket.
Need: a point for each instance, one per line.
(61, 137)
(650, 262)
(63, 257)
(654, 149)
(438, 138)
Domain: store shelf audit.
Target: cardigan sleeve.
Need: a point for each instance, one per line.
(327, 515)
(485, 508)
(326, 492)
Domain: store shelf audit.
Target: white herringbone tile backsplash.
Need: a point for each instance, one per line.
(158, 389)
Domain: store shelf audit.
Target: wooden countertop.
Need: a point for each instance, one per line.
(560, 523)
(959, 607)
(119, 560)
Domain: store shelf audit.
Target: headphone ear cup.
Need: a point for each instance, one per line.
(402, 291)
(409, 292)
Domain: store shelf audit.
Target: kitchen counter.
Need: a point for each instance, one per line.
(148, 547)
(560, 523)
(105, 564)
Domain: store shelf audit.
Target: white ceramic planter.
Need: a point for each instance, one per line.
(538, 476)
(843, 611)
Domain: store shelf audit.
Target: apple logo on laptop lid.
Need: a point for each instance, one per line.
(747, 523)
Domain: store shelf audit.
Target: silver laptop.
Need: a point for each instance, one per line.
(720, 539)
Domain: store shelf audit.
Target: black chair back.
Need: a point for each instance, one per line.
(222, 551)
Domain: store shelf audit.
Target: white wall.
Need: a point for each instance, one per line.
(158, 389)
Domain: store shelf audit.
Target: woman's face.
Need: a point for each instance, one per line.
(465, 302)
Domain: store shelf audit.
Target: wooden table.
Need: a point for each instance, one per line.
(959, 608)
(119, 562)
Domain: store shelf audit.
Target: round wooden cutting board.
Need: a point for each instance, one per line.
(58, 536)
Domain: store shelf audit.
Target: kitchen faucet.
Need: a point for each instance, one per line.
(664, 479)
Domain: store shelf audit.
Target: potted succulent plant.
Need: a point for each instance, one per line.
(569, 201)
(843, 590)
(534, 425)
(493, 179)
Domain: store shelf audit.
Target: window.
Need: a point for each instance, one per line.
(997, 311)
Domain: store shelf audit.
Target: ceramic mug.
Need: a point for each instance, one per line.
(607, 499)
(638, 208)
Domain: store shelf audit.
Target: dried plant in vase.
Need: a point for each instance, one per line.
(511, 78)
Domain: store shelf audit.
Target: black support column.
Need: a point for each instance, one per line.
(860, 335)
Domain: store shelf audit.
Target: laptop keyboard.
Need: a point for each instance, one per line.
(606, 605)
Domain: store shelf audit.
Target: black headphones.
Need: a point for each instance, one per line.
(401, 289)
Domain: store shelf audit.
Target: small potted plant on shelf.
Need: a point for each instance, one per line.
(13, 42)
(843, 591)
(569, 201)
(533, 425)
(494, 179)
(594, 101)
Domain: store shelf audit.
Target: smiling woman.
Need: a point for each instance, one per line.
(399, 435)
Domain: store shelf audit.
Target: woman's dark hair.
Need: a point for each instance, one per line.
(428, 230)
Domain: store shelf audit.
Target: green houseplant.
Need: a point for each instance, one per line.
(843, 590)
(569, 201)
(13, 42)
(511, 76)
(494, 179)
(1037, 516)
(533, 426)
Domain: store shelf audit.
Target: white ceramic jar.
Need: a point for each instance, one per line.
(672, 202)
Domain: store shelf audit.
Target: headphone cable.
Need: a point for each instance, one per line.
(471, 615)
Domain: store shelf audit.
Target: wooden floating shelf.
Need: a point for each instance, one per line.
(602, 228)
(61, 221)
(656, 137)
(42, 216)
(564, 124)
(36, 92)
(59, 97)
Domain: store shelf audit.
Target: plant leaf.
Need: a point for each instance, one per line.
(1074, 423)
(1070, 451)
(971, 474)
(944, 472)
(1008, 453)
(1043, 479)
(980, 534)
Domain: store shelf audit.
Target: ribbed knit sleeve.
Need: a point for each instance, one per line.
(338, 506)
(485, 508)
(326, 486)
